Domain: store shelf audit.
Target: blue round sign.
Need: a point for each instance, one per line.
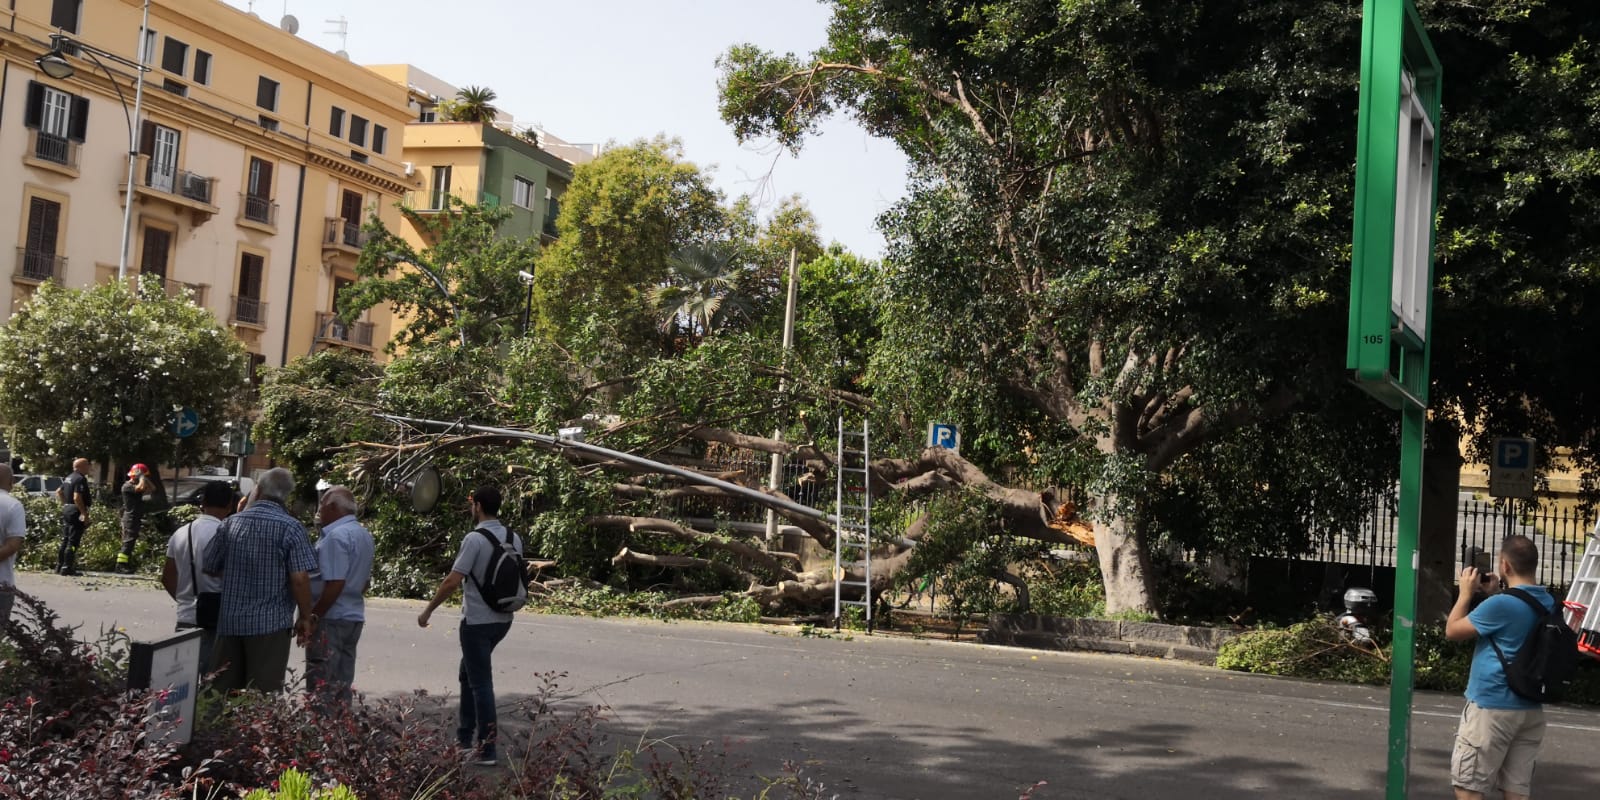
(185, 423)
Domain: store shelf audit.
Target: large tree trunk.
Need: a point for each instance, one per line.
(1436, 546)
(1124, 561)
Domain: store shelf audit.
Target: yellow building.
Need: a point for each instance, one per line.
(258, 157)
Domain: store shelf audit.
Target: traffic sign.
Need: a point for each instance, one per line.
(1511, 471)
(941, 434)
(185, 423)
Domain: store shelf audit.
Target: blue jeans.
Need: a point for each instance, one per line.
(477, 684)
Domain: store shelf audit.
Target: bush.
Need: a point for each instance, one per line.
(102, 538)
(604, 601)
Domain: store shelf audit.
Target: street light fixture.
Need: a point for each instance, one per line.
(527, 310)
(56, 65)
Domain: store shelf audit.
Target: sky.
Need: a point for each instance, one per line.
(621, 70)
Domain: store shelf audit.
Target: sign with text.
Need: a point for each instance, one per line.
(944, 435)
(171, 667)
(1511, 470)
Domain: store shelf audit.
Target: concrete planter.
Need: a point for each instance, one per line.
(1151, 639)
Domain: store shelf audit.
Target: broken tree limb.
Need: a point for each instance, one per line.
(751, 555)
(629, 556)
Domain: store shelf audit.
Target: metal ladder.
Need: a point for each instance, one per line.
(852, 542)
(1584, 594)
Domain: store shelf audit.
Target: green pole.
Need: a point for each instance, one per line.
(1403, 660)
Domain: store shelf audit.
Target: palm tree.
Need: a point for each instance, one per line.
(475, 104)
(702, 292)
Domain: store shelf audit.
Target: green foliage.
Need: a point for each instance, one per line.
(464, 285)
(98, 373)
(702, 293)
(316, 403)
(964, 545)
(578, 600)
(473, 104)
(836, 325)
(1066, 588)
(293, 784)
(102, 537)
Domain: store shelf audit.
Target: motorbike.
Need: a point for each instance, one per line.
(1360, 614)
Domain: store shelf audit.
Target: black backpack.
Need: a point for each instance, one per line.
(1544, 666)
(504, 588)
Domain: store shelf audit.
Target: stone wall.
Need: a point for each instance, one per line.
(1151, 639)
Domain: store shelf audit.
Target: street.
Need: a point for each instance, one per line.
(880, 717)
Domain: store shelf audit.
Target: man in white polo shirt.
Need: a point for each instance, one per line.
(13, 529)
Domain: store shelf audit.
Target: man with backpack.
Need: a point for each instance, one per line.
(1503, 724)
(490, 559)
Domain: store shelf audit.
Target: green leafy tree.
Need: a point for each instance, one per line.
(464, 286)
(623, 217)
(315, 404)
(836, 325)
(99, 373)
(702, 293)
(475, 104)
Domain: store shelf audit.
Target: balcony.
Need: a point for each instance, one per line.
(176, 289)
(330, 330)
(428, 201)
(249, 311)
(178, 187)
(343, 236)
(34, 266)
(51, 152)
(258, 212)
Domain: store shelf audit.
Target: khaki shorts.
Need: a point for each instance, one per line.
(1496, 749)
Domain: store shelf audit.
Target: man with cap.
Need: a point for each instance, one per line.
(133, 491)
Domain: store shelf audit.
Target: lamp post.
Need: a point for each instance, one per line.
(527, 308)
(56, 65)
(461, 332)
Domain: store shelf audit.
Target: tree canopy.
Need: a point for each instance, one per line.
(100, 372)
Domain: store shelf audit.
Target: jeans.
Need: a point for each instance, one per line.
(477, 685)
(331, 658)
(7, 598)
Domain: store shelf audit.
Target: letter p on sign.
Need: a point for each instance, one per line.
(944, 435)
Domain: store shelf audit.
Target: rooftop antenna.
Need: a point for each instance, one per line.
(341, 29)
(250, 8)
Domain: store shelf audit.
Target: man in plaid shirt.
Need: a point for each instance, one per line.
(265, 560)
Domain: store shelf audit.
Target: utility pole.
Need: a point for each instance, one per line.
(776, 474)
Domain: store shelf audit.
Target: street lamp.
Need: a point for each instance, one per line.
(56, 65)
(461, 331)
(527, 310)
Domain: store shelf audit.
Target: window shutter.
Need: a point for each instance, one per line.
(147, 138)
(33, 116)
(78, 120)
(44, 223)
(264, 180)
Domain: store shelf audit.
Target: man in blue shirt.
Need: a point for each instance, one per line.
(265, 561)
(1498, 740)
(344, 560)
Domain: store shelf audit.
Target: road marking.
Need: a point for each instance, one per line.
(1446, 715)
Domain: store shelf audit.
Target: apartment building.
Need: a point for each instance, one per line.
(492, 164)
(257, 156)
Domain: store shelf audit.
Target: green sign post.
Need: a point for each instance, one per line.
(1391, 286)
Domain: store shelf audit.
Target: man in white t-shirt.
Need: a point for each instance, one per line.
(186, 551)
(13, 529)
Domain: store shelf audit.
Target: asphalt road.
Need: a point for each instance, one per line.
(880, 717)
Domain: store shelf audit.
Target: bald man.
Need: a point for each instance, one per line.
(75, 500)
(344, 571)
(13, 528)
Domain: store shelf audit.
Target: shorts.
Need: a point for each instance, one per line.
(1496, 749)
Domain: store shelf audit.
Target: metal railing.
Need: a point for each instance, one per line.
(249, 310)
(343, 233)
(36, 265)
(195, 187)
(174, 288)
(258, 209)
(333, 330)
(54, 149)
(179, 182)
(427, 200)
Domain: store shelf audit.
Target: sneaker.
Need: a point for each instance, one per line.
(124, 569)
(483, 758)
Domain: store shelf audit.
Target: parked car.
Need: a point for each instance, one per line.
(37, 485)
(186, 490)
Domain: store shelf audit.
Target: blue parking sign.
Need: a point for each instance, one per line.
(1513, 453)
(943, 434)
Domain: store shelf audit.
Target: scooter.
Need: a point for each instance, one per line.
(1360, 612)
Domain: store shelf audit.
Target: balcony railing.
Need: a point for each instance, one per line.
(331, 329)
(249, 310)
(428, 201)
(343, 233)
(258, 209)
(55, 149)
(178, 182)
(35, 265)
(176, 289)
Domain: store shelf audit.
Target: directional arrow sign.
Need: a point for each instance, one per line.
(185, 423)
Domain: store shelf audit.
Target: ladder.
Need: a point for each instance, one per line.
(1584, 594)
(852, 542)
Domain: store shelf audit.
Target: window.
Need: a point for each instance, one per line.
(64, 15)
(267, 123)
(39, 252)
(156, 252)
(441, 187)
(160, 143)
(267, 93)
(336, 123)
(147, 54)
(202, 67)
(247, 305)
(380, 139)
(358, 157)
(258, 192)
(175, 57)
(358, 131)
(523, 192)
(429, 114)
(175, 87)
(56, 114)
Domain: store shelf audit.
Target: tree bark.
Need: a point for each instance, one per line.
(1436, 545)
(1124, 561)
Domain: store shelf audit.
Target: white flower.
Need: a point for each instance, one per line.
(127, 419)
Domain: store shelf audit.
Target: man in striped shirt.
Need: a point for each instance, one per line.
(265, 559)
